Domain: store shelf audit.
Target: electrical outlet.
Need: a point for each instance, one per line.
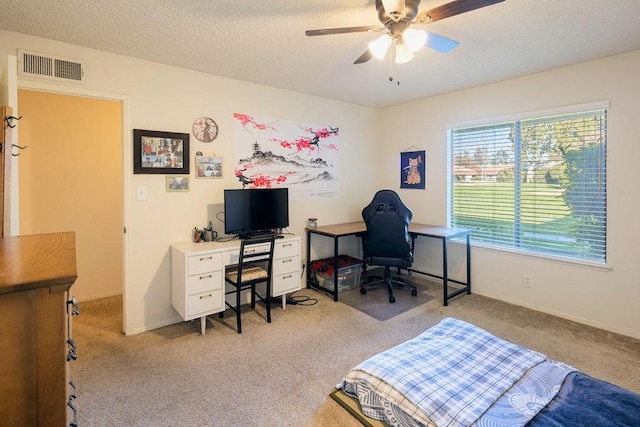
(526, 281)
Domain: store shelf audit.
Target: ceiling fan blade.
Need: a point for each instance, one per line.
(440, 43)
(367, 55)
(451, 9)
(343, 30)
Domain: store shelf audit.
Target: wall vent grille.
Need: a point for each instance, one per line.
(49, 67)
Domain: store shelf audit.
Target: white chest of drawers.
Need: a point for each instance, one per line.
(286, 268)
(197, 282)
(197, 275)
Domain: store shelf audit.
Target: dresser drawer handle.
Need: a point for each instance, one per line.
(206, 296)
(205, 277)
(206, 258)
(287, 277)
(286, 244)
(287, 260)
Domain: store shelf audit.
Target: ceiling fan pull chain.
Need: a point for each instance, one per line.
(394, 68)
(391, 65)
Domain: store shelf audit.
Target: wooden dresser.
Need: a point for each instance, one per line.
(36, 273)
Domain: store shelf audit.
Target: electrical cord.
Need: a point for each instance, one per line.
(301, 300)
(296, 299)
(293, 299)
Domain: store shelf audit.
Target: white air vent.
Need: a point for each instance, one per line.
(49, 67)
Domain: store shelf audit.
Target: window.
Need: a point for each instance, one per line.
(535, 184)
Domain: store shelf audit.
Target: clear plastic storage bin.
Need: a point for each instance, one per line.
(349, 271)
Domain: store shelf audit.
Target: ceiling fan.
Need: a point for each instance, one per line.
(396, 17)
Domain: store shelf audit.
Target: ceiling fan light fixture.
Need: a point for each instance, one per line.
(394, 8)
(379, 46)
(403, 54)
(415, 39)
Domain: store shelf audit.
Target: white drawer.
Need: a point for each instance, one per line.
(285, 283)
(286, 249)
(286, 265)
(232, 257)
(204, 263)
(204, 282)
(207, 302)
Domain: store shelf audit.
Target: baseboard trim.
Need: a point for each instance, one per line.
(150, 327)
(94, 297)
(559, 314)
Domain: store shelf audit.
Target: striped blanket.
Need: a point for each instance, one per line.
(450, 375)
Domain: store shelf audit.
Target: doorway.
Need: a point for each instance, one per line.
(71, 179)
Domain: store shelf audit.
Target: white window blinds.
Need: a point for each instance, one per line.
(537, 185)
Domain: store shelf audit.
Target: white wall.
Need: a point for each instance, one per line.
(606, 299)
(167, 98)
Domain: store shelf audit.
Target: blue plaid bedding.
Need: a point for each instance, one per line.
(447, 376)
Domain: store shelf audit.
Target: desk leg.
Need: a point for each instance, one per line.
(445, 279)
(413, 248)
(468, 264)
(308, 259)
(364, 255)
(335, 268)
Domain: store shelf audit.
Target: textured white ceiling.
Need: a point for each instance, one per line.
(263, 41)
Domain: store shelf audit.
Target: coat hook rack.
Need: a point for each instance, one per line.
(9, 119)
(19, 148)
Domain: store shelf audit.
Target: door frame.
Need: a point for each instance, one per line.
(127, 165)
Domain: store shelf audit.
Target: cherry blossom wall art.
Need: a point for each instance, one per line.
(273, 153)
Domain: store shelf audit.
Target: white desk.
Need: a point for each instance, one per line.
(197, 275)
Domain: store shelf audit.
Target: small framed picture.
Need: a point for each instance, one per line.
(413, 169)
(160, 152)
(177, 183)
(208, 166)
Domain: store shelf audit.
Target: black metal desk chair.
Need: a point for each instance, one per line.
(387, 241)
(255, 265)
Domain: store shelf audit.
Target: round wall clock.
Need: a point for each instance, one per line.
(205, 129)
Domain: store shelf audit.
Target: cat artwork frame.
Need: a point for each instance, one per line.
(413, 170)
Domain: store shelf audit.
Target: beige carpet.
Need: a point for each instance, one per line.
(281, 374)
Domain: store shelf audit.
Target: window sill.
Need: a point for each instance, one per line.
(544, 257)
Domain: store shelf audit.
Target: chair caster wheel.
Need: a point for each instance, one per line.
(363, 291)
(392, 298)
(414, 292)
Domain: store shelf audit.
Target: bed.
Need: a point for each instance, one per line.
(457, 374)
